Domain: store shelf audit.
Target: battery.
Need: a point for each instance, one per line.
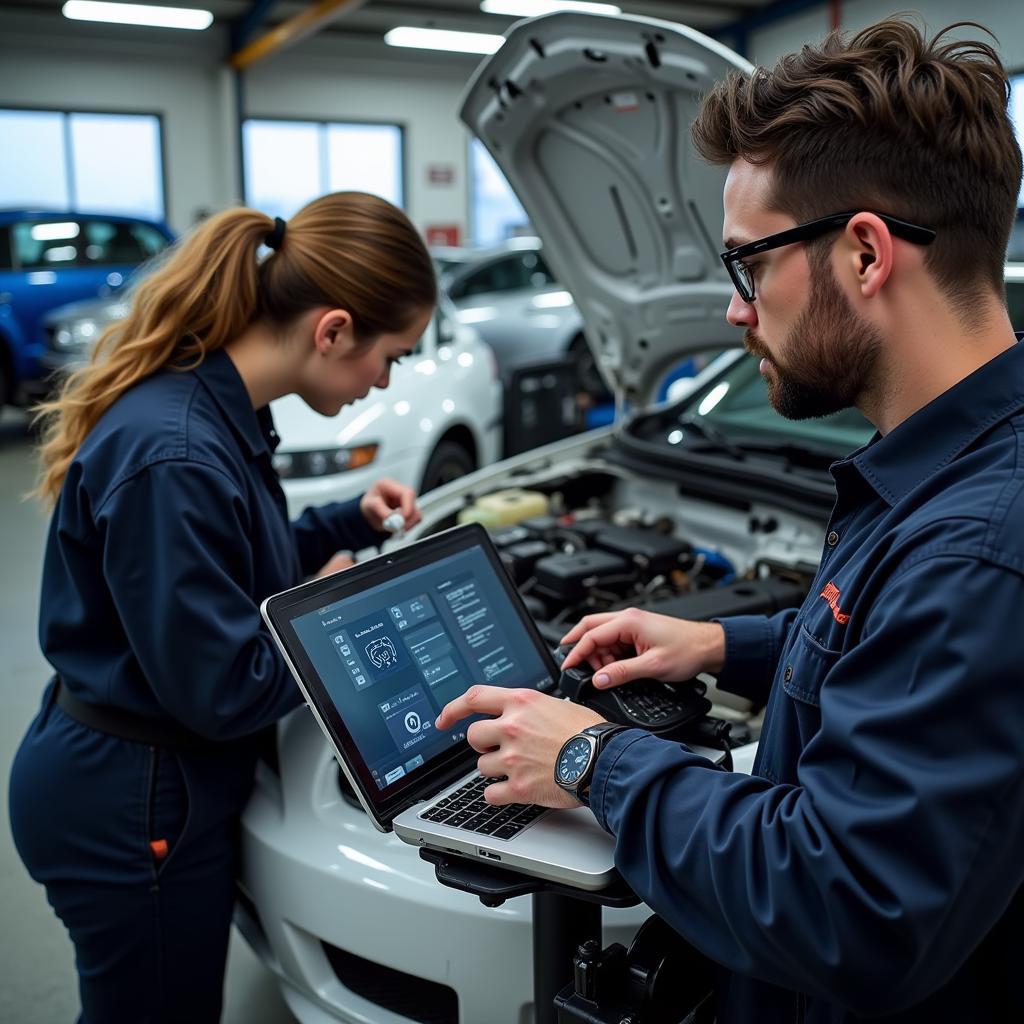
(741, 597)
(571, 577)
(654, 553)
(544, 527)
(506, 536)
(519, 559)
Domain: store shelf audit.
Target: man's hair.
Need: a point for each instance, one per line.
(889, 121)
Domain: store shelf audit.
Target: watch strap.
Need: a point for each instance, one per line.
(601, 733)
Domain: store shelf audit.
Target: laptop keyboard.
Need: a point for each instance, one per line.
(466, 808)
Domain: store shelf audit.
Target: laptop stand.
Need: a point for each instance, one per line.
(661, 979)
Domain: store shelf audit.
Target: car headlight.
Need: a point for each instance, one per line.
(323, 461)
(77, 335)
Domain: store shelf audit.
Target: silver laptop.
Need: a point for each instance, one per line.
(380, 648)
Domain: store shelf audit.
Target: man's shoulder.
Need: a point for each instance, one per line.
(975, 503)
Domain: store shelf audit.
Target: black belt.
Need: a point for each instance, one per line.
(154, 732)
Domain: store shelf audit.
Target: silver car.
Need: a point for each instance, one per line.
(510, 295)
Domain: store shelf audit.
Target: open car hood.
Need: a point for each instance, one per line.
(589, 118)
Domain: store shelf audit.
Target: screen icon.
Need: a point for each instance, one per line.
(382, 652)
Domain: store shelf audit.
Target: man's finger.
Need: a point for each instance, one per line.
(613, 633)
(484, 735)
(477, 700)
(489, 765)
(587, 622)
(615, 673)
(499, 793)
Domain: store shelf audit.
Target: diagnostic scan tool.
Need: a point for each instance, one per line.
(645, 703)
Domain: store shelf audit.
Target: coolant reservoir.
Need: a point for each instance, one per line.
(504, 508)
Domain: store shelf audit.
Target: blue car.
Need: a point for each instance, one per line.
(48, 259)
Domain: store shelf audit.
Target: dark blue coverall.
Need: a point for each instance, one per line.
(170, 529)
(871, 867)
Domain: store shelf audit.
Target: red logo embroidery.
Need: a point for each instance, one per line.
(831, 595)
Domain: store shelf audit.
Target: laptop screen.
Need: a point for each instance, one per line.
(388, 653)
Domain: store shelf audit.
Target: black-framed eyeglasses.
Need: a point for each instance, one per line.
(742, 274)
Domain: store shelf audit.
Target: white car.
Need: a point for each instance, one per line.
(441, 416)
(353, 922)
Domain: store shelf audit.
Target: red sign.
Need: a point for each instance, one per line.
(442, 234)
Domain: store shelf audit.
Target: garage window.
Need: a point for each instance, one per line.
(95, 163)
(288, 163)
(495, 214)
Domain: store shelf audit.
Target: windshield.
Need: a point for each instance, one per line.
(734, 407)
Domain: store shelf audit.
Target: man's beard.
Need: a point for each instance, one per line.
(831, 354)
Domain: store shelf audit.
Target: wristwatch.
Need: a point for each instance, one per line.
(574, 766)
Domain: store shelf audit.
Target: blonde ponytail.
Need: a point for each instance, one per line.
(204, 294)
(348, 249)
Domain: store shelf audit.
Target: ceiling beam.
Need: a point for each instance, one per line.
(243, 28)
(289, 32)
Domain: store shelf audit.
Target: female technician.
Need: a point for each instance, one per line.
(169, 529)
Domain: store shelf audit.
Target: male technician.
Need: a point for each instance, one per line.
(872, 865)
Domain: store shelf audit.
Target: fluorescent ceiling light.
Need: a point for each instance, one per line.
(52, 231)
(532, 8)
(441, 39)
(137, 14)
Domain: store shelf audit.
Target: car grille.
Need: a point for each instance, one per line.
(404, 994)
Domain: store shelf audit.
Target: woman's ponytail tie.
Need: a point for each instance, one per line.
(275, 238)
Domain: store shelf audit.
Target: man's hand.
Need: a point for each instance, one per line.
(521, 743)
(665, 648)
(335, 563)
(385, 497)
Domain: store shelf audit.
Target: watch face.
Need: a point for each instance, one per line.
(573, 760)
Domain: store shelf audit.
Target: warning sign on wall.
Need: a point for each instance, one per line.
(442, 234)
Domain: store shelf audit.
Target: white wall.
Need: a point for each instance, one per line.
(57, 64)
(65, 71)
(319, 86)
(1005, 18)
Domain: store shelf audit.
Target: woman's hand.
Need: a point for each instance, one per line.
(385, 497)
(665, 648)
(335, 563)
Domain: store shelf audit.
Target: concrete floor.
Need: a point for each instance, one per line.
(37, 975)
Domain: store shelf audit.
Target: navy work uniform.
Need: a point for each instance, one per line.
(170, 529)
(871, 868)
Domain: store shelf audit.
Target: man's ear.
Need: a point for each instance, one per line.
(333, 332)
(869, 250)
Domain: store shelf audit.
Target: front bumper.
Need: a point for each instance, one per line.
(330, 891)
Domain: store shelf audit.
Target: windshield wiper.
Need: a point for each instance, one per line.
(712, 435)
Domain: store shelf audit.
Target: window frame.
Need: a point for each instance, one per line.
(1011, 74)
(66, 113)
(322, 124)
(471, 195)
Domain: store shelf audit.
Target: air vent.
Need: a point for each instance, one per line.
(395, 991)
